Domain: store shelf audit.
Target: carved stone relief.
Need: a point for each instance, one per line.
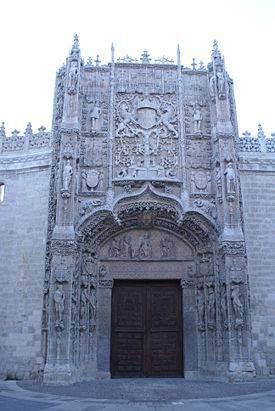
(237, 304)
(59, 300)
(198, 154)
(73, 77)
(66, 178)
(211, 306)
(230, 182)
(201, 308)
(94, 150)
(146, 143)
(197, 118)
(90, 181)
(200, 182)
(145, 245)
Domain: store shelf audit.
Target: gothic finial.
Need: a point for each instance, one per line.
(194, 64)
(89, 62)
(145, 57)
(201, 66)
(216, 52)
(28, 129)
(261, 133)
(75, 51)
(112, 53)
(97, 61)
(2, 129)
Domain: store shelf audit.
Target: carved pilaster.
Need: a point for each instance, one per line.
(235, 310)
(59, 367)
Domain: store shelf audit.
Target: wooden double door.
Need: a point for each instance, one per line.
(146, 338)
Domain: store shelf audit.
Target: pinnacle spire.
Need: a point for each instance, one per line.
(112, 53)
(178, 55)
(75, 51)
(216, 51)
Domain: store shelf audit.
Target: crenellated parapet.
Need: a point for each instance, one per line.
(17, 142)
(257, 144)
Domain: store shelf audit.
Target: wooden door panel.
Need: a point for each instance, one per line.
(164, 352)
(146, 329)
(164, 309)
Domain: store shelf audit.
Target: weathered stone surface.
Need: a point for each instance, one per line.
(143, 181)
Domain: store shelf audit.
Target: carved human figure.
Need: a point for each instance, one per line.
(167, 247)
(73, 77)
(220, 83)
(211, 303)
(126, 117)
(230, 179)
(212, 87)
(166, 118)
(237, 304)
(67, 175)
(224, 306)
(197, 118)
(114, 249)
(201, 308)
(84, 299)
(59, 299)
(144, 248)
(95, 114)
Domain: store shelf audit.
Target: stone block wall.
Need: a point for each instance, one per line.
(23, 233)
(258, 192)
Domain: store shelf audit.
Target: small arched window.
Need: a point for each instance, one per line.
(2, 192)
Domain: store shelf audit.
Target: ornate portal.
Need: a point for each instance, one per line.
(145, 207)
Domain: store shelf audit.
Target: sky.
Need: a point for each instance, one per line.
(36, 37)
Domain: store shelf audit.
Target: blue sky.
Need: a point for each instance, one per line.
(36, 37)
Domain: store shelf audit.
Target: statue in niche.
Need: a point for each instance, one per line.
(197, 118)
(220, 83)
(212, 87)
(59, 299)
(224, 306)
(87, 306)
(237, 305)
(167, 246)
(211, 307)
(73, 77)
(230, 179)
(95, 114)
(84, 300)
(144, 249)
(67, 175)
(201, 309)
(219, 183)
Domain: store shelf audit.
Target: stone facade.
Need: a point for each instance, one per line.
(144, 177)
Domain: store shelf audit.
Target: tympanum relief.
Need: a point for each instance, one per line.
(145, 245)
(146, 137)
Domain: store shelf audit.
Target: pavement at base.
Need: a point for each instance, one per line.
(139, 395)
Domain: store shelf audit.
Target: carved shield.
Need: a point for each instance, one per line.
(201, 181)
(92, 178)
(146, 117)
